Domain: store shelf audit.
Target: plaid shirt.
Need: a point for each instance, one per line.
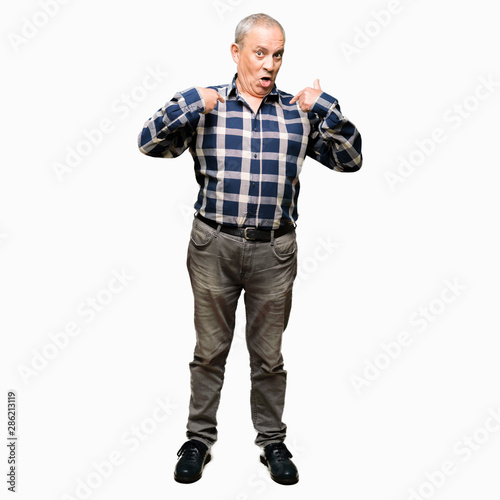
(248, 164)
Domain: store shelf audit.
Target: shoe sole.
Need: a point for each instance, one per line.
(192, 479)
(285, 482)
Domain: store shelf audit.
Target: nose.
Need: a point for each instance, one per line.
(269, 63)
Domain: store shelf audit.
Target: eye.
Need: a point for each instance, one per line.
(259, 53)
(278, 55)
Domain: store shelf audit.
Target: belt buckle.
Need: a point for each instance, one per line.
(245, 233)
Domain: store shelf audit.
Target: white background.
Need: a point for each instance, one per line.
(393, 249)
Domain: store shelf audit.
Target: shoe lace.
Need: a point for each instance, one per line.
(189, 451)
(279, 451)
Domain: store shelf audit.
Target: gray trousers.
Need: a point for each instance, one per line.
(221, 266)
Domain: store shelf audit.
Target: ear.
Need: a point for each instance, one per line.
(235, 52)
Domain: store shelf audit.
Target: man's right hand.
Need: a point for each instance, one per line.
(211, 97)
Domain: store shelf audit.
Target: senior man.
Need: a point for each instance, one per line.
(248, 141)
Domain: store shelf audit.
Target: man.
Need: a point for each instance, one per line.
(248, 141)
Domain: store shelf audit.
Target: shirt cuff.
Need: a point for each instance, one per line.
(325, 104)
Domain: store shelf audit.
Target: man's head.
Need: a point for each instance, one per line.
(258, 51)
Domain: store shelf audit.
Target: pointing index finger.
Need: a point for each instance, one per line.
(296, 98)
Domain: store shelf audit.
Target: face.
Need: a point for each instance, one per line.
(259, 60)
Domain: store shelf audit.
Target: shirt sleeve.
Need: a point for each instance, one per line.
(169, 132)
(333, 141)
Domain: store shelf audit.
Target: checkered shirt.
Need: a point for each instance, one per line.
(247, 164)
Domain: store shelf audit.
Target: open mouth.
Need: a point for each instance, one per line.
(265, 81)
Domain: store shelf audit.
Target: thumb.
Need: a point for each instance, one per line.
(316, 84)
(220, 98)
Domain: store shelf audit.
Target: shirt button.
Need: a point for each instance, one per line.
(255, 156)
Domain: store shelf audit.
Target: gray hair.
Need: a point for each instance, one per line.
(245, 26)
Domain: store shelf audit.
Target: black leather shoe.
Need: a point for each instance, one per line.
(193, 456)
(277, 458)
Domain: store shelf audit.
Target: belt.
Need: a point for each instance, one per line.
(249, 233)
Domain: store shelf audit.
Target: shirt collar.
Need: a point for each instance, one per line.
(274, 95)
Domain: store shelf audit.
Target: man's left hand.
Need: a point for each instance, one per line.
(307, 97)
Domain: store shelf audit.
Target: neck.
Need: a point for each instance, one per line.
(245, 93)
